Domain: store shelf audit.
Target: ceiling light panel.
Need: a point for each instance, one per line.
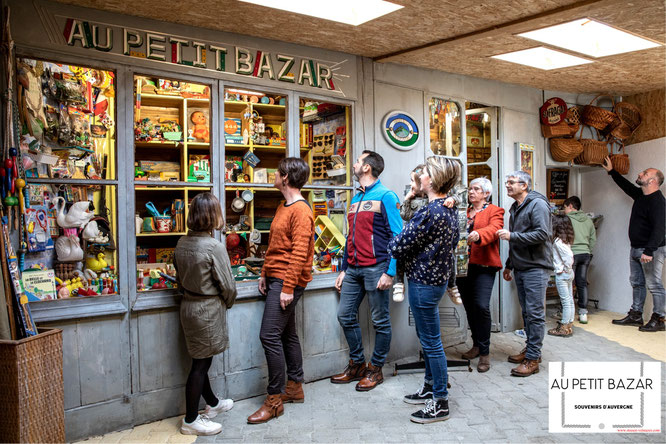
(590, 37)
(542, 58)
(351, 12)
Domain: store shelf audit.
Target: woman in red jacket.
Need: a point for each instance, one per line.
(483, 221)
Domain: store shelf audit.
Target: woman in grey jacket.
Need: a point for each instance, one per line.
(204, 275)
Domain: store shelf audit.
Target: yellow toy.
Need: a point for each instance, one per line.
(98, 264)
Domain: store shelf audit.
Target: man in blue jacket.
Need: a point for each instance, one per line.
(367, 268)
(531, 260)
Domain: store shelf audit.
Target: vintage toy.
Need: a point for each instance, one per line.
(200, 128)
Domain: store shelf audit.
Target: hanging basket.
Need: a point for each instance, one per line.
(628, 120)
(573, 115)
(594, 151)
(565, 150)
(561, 129)
(598, 117)
(620, 161)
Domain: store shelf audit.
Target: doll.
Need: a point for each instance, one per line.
(200, 122)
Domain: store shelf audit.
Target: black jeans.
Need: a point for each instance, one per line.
(581, 262)
(279, 338)
(476, 289)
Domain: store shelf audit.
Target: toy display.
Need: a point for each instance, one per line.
(199, 129)
(199, 168)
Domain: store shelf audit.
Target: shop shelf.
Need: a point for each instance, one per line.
(195, 103)
(172, 233)
(161, 100)
(158, 143)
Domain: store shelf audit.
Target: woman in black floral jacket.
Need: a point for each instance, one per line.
(425, 245)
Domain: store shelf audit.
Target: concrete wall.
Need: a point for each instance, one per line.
(609, 271)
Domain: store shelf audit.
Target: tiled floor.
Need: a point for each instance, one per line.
(488, 407)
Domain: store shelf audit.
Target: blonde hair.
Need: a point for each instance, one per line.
(443, 172)
(205, 213)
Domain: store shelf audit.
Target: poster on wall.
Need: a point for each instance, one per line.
(525, 156)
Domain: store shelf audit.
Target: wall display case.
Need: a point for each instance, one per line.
(479, 145)
(444, 121)
(68, 231)
(172, 164)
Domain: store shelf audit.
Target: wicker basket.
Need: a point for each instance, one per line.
(628, 120)
(620, 161)
(573, 115)
(561, 129)
(594, 151)
(596, 116)
(31, 383)
(565, 150)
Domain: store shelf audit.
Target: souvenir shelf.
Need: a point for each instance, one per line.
(68, 150)
(172, 165)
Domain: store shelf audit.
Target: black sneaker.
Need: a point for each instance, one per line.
(434, 411)
(420, 397)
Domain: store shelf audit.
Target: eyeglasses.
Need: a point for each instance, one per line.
(511, 182)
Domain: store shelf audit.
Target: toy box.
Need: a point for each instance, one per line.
(232, 131)
(161, 166)
(199, 169)
(233, 169)
(39, 285)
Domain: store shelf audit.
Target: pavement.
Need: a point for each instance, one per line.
(485, 407)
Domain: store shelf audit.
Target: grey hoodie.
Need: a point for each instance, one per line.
(530, 224)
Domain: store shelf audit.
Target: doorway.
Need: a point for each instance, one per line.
(482, 142)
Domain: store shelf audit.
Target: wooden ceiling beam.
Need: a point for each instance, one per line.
(583, 7)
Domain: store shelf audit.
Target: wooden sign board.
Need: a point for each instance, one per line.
(558, 185)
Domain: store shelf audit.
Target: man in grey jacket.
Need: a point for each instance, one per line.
(531, 259)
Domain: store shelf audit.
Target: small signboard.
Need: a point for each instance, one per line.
(558, 185)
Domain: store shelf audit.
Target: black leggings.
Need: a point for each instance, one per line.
(198, 385)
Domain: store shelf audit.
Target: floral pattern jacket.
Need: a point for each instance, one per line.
(426, 244)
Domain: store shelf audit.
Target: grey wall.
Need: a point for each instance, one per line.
(609, 271)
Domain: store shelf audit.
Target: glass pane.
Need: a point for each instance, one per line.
(444, 127)
(66, 260)
(478, 137)
(325, 141)
(172, 143)
(474, 171)
(255, 135)
(67, 120)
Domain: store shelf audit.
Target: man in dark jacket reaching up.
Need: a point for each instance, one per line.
(531, 260)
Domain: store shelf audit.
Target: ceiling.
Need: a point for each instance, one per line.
(456, 36)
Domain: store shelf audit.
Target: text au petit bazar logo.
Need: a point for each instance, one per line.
(604, 397)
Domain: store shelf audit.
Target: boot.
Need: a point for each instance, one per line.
(632, 318)
(353, 372)
(526, 368)
(563, 330)
(293, 392)
(520, 357)
(373, 377)
(656, 323)
(471, 353)
(271, 408)
(484, 364)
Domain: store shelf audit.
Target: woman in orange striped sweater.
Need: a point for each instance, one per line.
(287, 270)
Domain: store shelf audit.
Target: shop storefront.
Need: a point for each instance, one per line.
(128, 119)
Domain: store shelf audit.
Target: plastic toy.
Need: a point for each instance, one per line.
(78, 215)
(200, 122)
(96, 264)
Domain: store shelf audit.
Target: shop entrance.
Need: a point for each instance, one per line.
(483, 161)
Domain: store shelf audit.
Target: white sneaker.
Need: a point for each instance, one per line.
(398, 292)
(202, 426)
(223, 405)
(582, 318)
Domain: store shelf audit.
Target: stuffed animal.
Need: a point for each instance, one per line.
(200, 122)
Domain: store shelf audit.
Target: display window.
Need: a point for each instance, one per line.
(68, 230)
(324, 140)
(479, 142)
(172, 164)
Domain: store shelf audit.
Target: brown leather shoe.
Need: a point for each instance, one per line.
(471, 353)
(520, 357)
(271, 408)
(373, 377)
(293, 392)
(526, 368)
(484, 364)
(353, 372)
(564, 330)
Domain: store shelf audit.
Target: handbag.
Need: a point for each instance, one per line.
(594, 151)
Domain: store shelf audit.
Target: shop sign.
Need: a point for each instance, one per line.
(198, 53)
(400, 130)
(553, 111)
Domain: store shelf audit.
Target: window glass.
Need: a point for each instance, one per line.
(444, 127)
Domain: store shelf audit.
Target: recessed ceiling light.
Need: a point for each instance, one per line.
(542, 58)
(590, 37)
(351, 12)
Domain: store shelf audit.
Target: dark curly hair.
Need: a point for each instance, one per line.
(563, 228)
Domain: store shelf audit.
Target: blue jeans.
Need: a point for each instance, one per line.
(424, 301)
(531, 286)
(647, 275)
(564, 284)
(581, 262)
(358, 282)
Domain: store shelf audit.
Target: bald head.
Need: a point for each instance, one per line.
(656, 174)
